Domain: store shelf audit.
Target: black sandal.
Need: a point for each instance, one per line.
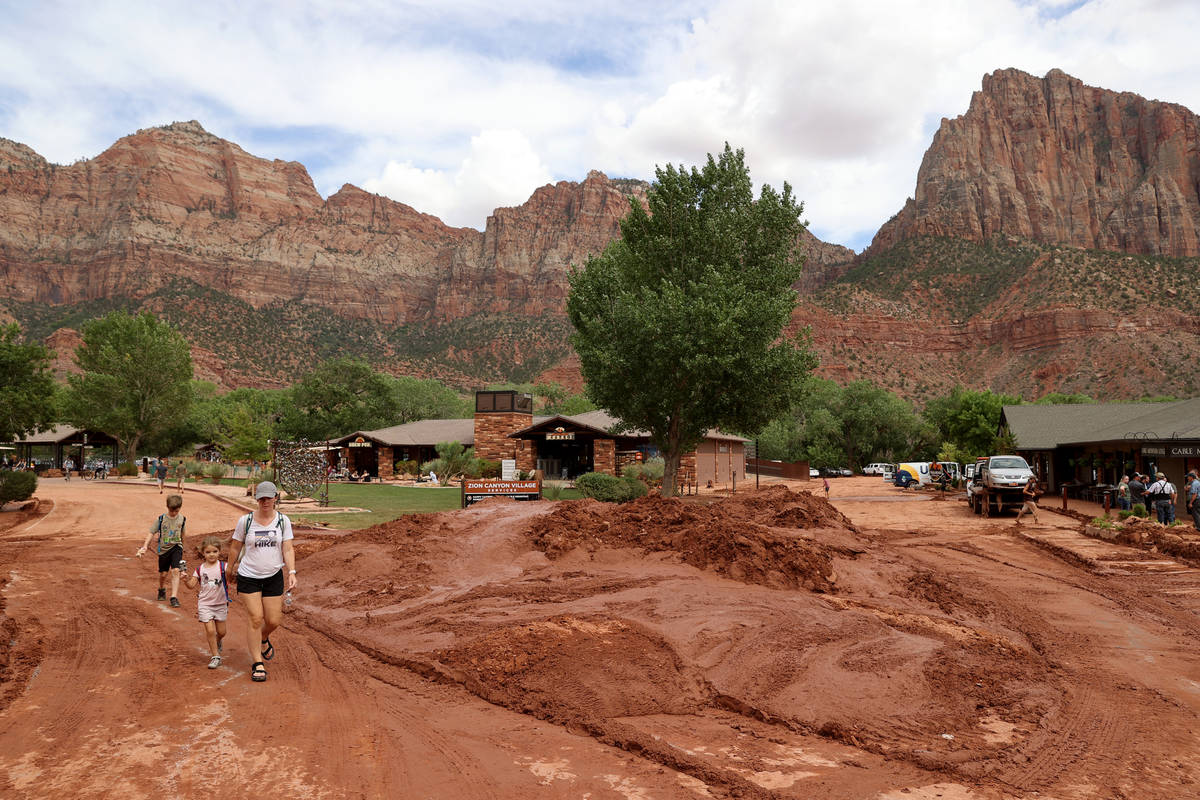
(258, 672)
(268, 652)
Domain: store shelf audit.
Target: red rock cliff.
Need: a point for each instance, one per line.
(1056, 161)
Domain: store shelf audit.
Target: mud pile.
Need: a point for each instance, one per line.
(748, 538)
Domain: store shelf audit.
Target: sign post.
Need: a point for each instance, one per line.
(474, 490)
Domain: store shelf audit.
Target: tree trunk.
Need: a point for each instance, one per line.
(671, 456)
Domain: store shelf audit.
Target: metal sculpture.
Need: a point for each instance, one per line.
(299, 468)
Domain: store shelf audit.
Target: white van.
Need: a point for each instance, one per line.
(876, 469)
(912, 472)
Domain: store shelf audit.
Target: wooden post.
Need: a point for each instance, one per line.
(1064, 498)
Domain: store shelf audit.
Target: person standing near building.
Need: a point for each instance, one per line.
(68, 465)
(1137, 491)
(1193, 497)
(1123, 496)
(1164, 494)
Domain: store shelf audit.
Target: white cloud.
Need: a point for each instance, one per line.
(501, 169)
(459, 107)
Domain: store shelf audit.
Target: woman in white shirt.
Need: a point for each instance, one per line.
(261, 552)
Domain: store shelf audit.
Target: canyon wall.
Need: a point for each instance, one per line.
(1055, 161)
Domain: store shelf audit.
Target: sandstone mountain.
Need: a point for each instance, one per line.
(1057, 162)
(1051, 245)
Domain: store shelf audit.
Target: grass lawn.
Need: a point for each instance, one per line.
(386, 503)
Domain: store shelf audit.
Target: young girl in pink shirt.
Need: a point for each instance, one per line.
(213, 600)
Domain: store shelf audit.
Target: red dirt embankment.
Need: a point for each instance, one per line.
(760, 646)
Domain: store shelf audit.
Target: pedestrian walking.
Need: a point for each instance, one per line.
(180, 474)
(160, 473)
(1030, 495)
(212, 600)
(68, 465)
(169, 530)
(826, 480)
(260, 553)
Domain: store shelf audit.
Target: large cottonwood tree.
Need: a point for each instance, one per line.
(136, 379)
(678, 324)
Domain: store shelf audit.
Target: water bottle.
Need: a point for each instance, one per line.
(183, 565)
(287, 599)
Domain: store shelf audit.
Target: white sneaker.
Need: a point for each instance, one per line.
(214, 662)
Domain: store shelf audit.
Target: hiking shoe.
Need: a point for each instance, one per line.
(174, 602)
(162, 594)
(214, 662)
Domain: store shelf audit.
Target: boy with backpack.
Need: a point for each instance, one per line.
(169, 530)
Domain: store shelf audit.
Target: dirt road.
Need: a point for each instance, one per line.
(764, 646)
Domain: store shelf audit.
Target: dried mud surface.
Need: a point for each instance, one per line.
(766, 645)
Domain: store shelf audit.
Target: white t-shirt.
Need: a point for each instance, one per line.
(262, 545)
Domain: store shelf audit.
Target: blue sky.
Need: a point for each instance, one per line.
(460, 106)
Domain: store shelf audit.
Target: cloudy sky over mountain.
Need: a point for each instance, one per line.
(460, 106)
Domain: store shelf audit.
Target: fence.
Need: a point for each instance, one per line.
(791, 470)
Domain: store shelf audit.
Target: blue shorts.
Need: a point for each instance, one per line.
(268, 587)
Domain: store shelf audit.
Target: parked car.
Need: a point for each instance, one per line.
(813, 472)
(876, 469)
(830, 472)
(846, 472)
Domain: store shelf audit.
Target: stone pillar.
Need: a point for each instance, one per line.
(492, 430)
(687, 468)
(384, 454)
(526, 454)
(604, 456)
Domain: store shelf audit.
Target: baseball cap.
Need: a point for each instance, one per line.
(265, 489)
(1159, 475)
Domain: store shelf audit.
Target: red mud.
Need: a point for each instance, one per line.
(769, 645)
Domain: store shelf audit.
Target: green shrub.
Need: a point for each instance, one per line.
(195, 470)
(216, 470)
(409, 467)
(1123, 515)
(610, 488)
(1101, 522)
(552, 491)
(17, 486)
(487, 468)
(127, 469)
(1140, 511)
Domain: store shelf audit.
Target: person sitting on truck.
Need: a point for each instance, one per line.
(1030, 495)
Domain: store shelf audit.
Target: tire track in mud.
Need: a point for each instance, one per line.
(1083, 738)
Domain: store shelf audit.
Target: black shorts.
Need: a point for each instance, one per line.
(269, 587)
(169, 559)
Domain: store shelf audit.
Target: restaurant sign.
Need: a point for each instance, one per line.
(359, 442)
(475, 490)
(1172, 451)
(560, 437)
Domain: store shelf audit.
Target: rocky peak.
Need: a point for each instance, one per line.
(1053, 160)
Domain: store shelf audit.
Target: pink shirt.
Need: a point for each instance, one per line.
(212, 593)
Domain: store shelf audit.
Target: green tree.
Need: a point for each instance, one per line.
(338, 397)
(453, 459)
(678, 322)
(968, 418)
(418, 399)
(27, 388)
(135, 381)
(243, 434)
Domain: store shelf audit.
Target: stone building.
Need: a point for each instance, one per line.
(561, 446)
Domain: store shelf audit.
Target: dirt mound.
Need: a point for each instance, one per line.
(738, 538)
(574, 669)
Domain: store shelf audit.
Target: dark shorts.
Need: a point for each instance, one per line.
(169, 559)
(268, 587)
